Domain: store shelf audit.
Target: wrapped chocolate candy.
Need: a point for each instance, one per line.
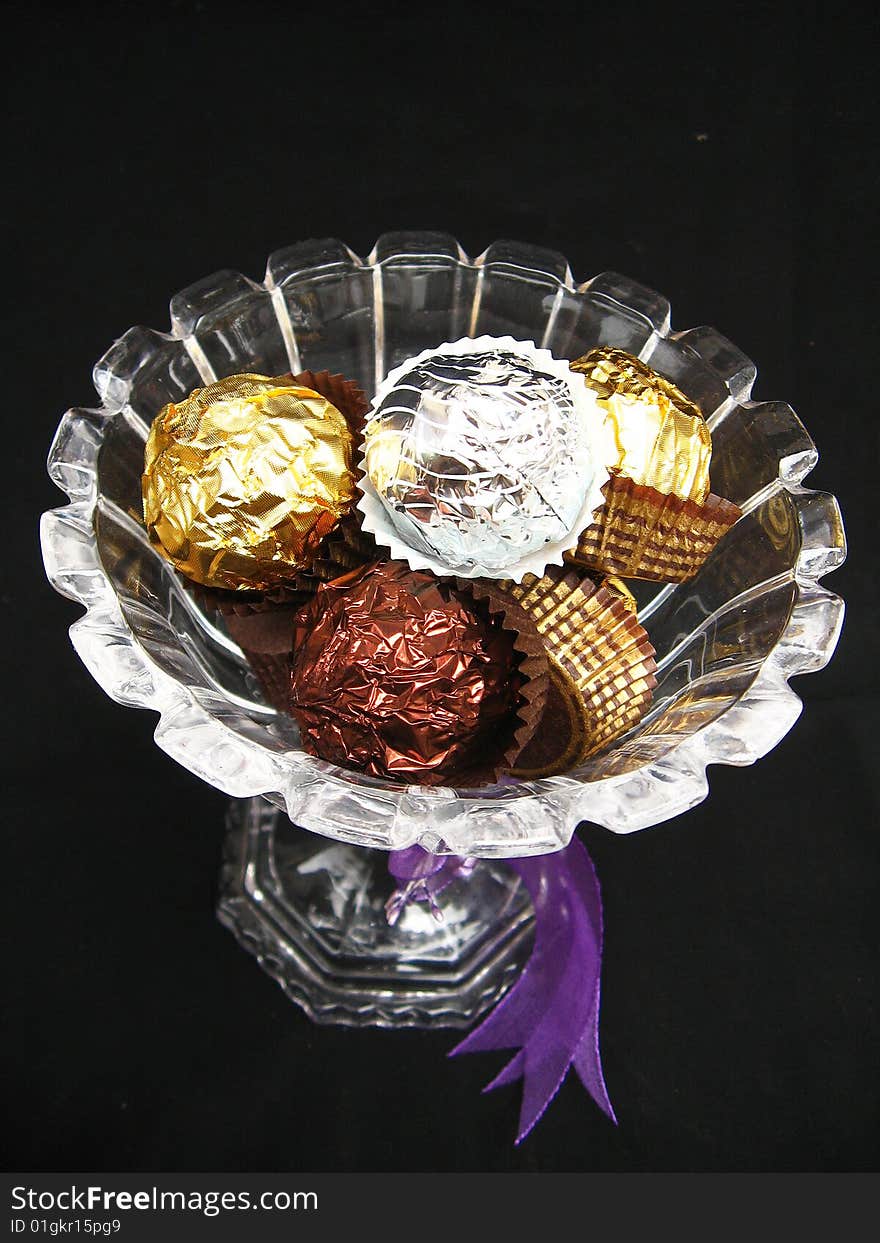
(602, 667)
(480, 460)
(659, 519)
(656, 435)
(245, 479)
(404, 677)
(345, 548)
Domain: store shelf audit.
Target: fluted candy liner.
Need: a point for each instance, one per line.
(643, 533)
(533, 668)
(243, 603)
(603, 668)
(378, 522)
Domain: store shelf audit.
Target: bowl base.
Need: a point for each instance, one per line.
(311, 911)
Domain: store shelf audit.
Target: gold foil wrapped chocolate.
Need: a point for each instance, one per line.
(603, 670)
(345, 548)
(244, 480)
(657, 436)
(660, 520)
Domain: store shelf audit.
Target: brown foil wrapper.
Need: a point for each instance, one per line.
(603, 670)
(642, 533)
(244, 480)
(409, 678)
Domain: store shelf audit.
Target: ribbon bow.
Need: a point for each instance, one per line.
(551, 1014)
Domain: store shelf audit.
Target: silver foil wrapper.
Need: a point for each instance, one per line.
(480, 459)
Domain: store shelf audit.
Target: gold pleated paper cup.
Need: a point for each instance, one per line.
(602, 666)
(643, 533)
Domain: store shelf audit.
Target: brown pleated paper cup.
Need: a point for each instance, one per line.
(643, 533)
(533, 670)
(264, 637)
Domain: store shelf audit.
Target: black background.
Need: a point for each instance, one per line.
(727, 161)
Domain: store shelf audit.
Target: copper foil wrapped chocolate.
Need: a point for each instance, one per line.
(399, 675)
(245, 479)
(481, 455)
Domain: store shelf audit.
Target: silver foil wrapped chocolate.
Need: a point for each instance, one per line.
(480, 457)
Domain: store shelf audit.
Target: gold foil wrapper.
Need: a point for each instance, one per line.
(347, 546)
(618, 588)
(344, 394)
(656, 435)
(643, 533)
(603, 670)
(244, 480)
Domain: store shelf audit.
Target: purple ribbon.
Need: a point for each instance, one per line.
(420, 877)
(551, 1015)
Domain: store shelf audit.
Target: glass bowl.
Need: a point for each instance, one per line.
(727, 642)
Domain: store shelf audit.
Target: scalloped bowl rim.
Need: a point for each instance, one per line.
(434, 818)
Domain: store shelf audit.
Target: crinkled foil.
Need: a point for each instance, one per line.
(346, 547)
(618, 588)
(394, 674)
(479, 458)
(245, 479)
(602, 662)
(344, 394)
(656, 435)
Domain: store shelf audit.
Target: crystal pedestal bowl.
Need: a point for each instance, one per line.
(727, 642)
